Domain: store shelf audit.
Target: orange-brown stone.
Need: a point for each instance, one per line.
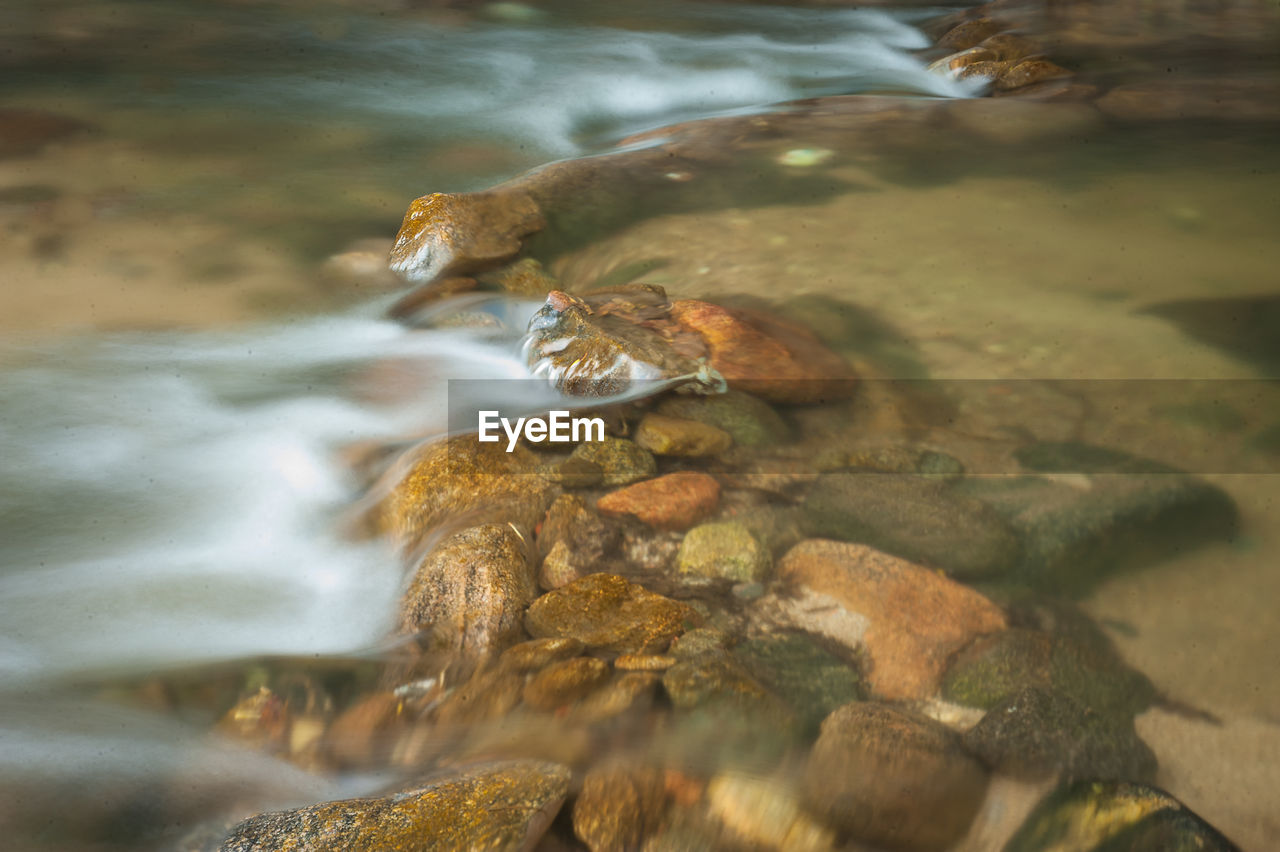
(917, 618)
(766, 356)
(452, 234)
(676, 501)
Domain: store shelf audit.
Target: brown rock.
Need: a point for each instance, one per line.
(988, 68)
(958, 61)
(916, 617)
(471, 590)
(565, 682)
(605, 611)
(359, 736)
(892, 778)
(536, 654)
(618, 807)
(446, 479)
(675, 436)
(644, 662)
(444, 235)
(261, 720)
(491, 693)
(765, 356)
(676, 501)
(1007, 46)
(630, 691)
(558, 568)
(586, 534)
(1030, 71)
(497, 806)
(970, 33)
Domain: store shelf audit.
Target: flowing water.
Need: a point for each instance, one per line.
(182, 376)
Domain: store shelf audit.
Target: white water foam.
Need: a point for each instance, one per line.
(173, 499)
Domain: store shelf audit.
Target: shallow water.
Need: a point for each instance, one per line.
(172, 497)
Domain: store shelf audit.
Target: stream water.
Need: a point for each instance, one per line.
(181, 375)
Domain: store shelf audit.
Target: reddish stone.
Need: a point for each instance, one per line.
(766, 356)
(676, 501)
(917, 618)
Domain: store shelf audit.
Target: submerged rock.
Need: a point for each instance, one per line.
(455, 477)
(621, 462)
(812, 680)
(915, 618)
(1038, 732)
(1119, 512)
(996, 667)
(766, 356)
(1112, 816)
(608, 613)
(565, 682)
(892, 778)
(765, 813)
(724, 550)
(674, 436)
(497, 806)
(471, 590)
(920, 518)
(619, 807)
(750, 421)
(676, 501)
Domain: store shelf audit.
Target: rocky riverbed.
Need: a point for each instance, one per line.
(903, 544)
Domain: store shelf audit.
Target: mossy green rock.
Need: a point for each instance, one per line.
(996, 667)
(1123, 513)
(915, 517)
(723, 550)
(498, 806)
(814, 681)
(1038, 732)
(749, 420)
(1115, 816)
(621, 462)
(609, 613)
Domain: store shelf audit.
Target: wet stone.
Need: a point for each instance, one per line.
(765, 813)
(471, 590)
(712, 678)
(892, 778)
(445, 234)
(1075, 534)
(751, 422)
(525, 277)
(606, 612)
(773, 359)
(676, 501)
(446, 479)
(674, 436)
(599, 344)
(565, 682)
(629, 692)
(1114, 816)
(618, 807)
(970, 33)
(916, 517)
(725, 550)
(360, 736)
(915, 619)
(621, 462)
(536, 654)
(1028, 72)
(573, 541)
(814, 681)
(698, 642)
(644, 662)
(498, 806)
(1038, 732)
